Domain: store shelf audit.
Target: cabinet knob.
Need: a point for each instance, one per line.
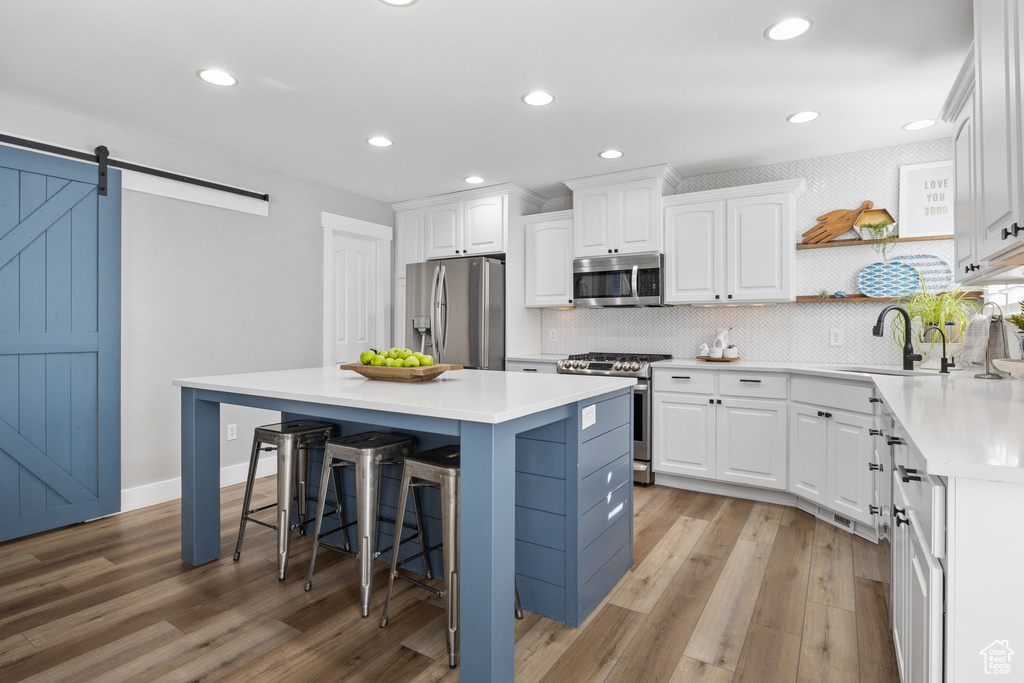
(901, 520)
(874, 510)
(875, 432)
(876, 467)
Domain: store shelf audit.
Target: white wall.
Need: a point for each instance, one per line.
(205, 290)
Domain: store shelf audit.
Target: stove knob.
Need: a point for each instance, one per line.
(634, 366)
(617, 366)
(581, 364)
(561, 363)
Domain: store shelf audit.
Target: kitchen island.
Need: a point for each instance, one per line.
(539, 455)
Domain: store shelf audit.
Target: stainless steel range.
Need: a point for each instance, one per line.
(625, 365)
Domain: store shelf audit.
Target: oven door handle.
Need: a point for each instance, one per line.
(639, 387)
(636, 294)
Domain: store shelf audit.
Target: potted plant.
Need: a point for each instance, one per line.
(880, 234)
(1017, 320)
(948, 311)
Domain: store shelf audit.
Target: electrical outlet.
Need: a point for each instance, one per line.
(552, 335)
(835, 336)
(232, 432)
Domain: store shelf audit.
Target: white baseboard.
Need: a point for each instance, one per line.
(723, 488)
(163, 491)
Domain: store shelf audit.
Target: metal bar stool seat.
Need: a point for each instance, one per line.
(292, 440)
(367, 453)
(441, 467)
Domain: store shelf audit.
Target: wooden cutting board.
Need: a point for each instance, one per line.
(423, 373)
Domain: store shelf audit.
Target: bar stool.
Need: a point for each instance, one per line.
(367, 452)
(442, 467)
(291, 439)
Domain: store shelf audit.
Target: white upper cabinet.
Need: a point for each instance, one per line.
(408, 239)
(593, 206)
(638, 215)
(443, 234)
(620, 213)
(998, 102)
(964, 247)
(694, 252)
(484, 225)
(734, 244)
(760, 248)
(549, 241)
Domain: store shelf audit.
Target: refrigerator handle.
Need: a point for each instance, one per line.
(485, 297)
(441, 336)
(434, 329)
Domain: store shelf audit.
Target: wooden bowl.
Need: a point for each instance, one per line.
(716, 360)
(422, 373)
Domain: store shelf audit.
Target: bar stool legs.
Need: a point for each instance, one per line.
(247, 501)
(368, 501)
(450, 534)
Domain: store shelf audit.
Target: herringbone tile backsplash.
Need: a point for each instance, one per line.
(781, 332)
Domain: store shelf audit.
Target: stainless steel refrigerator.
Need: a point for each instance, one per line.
(456, 311)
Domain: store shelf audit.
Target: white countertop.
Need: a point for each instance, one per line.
(961, 426)
(472, 395)
(538, 357)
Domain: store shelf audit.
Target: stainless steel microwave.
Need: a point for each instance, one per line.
(618, 280)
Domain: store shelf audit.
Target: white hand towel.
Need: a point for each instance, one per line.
(976, 339)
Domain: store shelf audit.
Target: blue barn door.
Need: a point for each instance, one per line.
(60, 347)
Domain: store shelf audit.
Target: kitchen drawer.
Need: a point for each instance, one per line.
(833, 393)
(752, 384)
(532, 366)
(683, 380)
(926, 496)
(602, 516)
(596, 487)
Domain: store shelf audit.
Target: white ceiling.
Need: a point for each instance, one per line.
(689, 82)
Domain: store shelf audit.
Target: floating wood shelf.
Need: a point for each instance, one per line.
(855, 242)
(860, 298)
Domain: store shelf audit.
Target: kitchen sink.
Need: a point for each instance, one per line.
(895, 372)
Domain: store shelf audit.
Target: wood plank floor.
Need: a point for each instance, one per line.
(722, 590)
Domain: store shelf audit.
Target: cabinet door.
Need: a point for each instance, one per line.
(924, 605)
(900, 580)
(964, 208)
(996, 106)
(401, 327)
(760, 247)
(443, 232)
(637, 216)
(592, 221)
(549, 263)
(850, 452)
(684, 435)
(808, 458)
(408, 240)
(694, 252)
(752, 442)
(484, 228)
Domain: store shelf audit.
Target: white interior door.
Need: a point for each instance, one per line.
(357, 288)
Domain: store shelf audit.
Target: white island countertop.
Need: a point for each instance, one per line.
(961, 426)
(471, 395)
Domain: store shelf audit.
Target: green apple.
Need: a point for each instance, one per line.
(393, 353)
(390, 362)
(412, 362)
(377, 360)
(427, 360)
(404, 353)
(366, 356)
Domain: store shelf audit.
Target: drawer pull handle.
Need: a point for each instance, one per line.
(529, 369)
(680, 377)
(908, 475)
(895, 441)
(874, 400)
(752, 381)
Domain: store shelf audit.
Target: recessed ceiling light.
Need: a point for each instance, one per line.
(610, 154)
(474, 179)
(788, 28)
(380, 141)
(918, 125)
(538, 98)
(802, 116)
(217, 77)
(399, 3)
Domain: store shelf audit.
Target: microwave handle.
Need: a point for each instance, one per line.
(636, 294)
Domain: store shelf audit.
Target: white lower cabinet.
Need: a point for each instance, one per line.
(851, 485)
(684, 435)
(917, 595)
(751, 444)
(808, 437)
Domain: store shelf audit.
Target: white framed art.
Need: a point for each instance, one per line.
(926, 199)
